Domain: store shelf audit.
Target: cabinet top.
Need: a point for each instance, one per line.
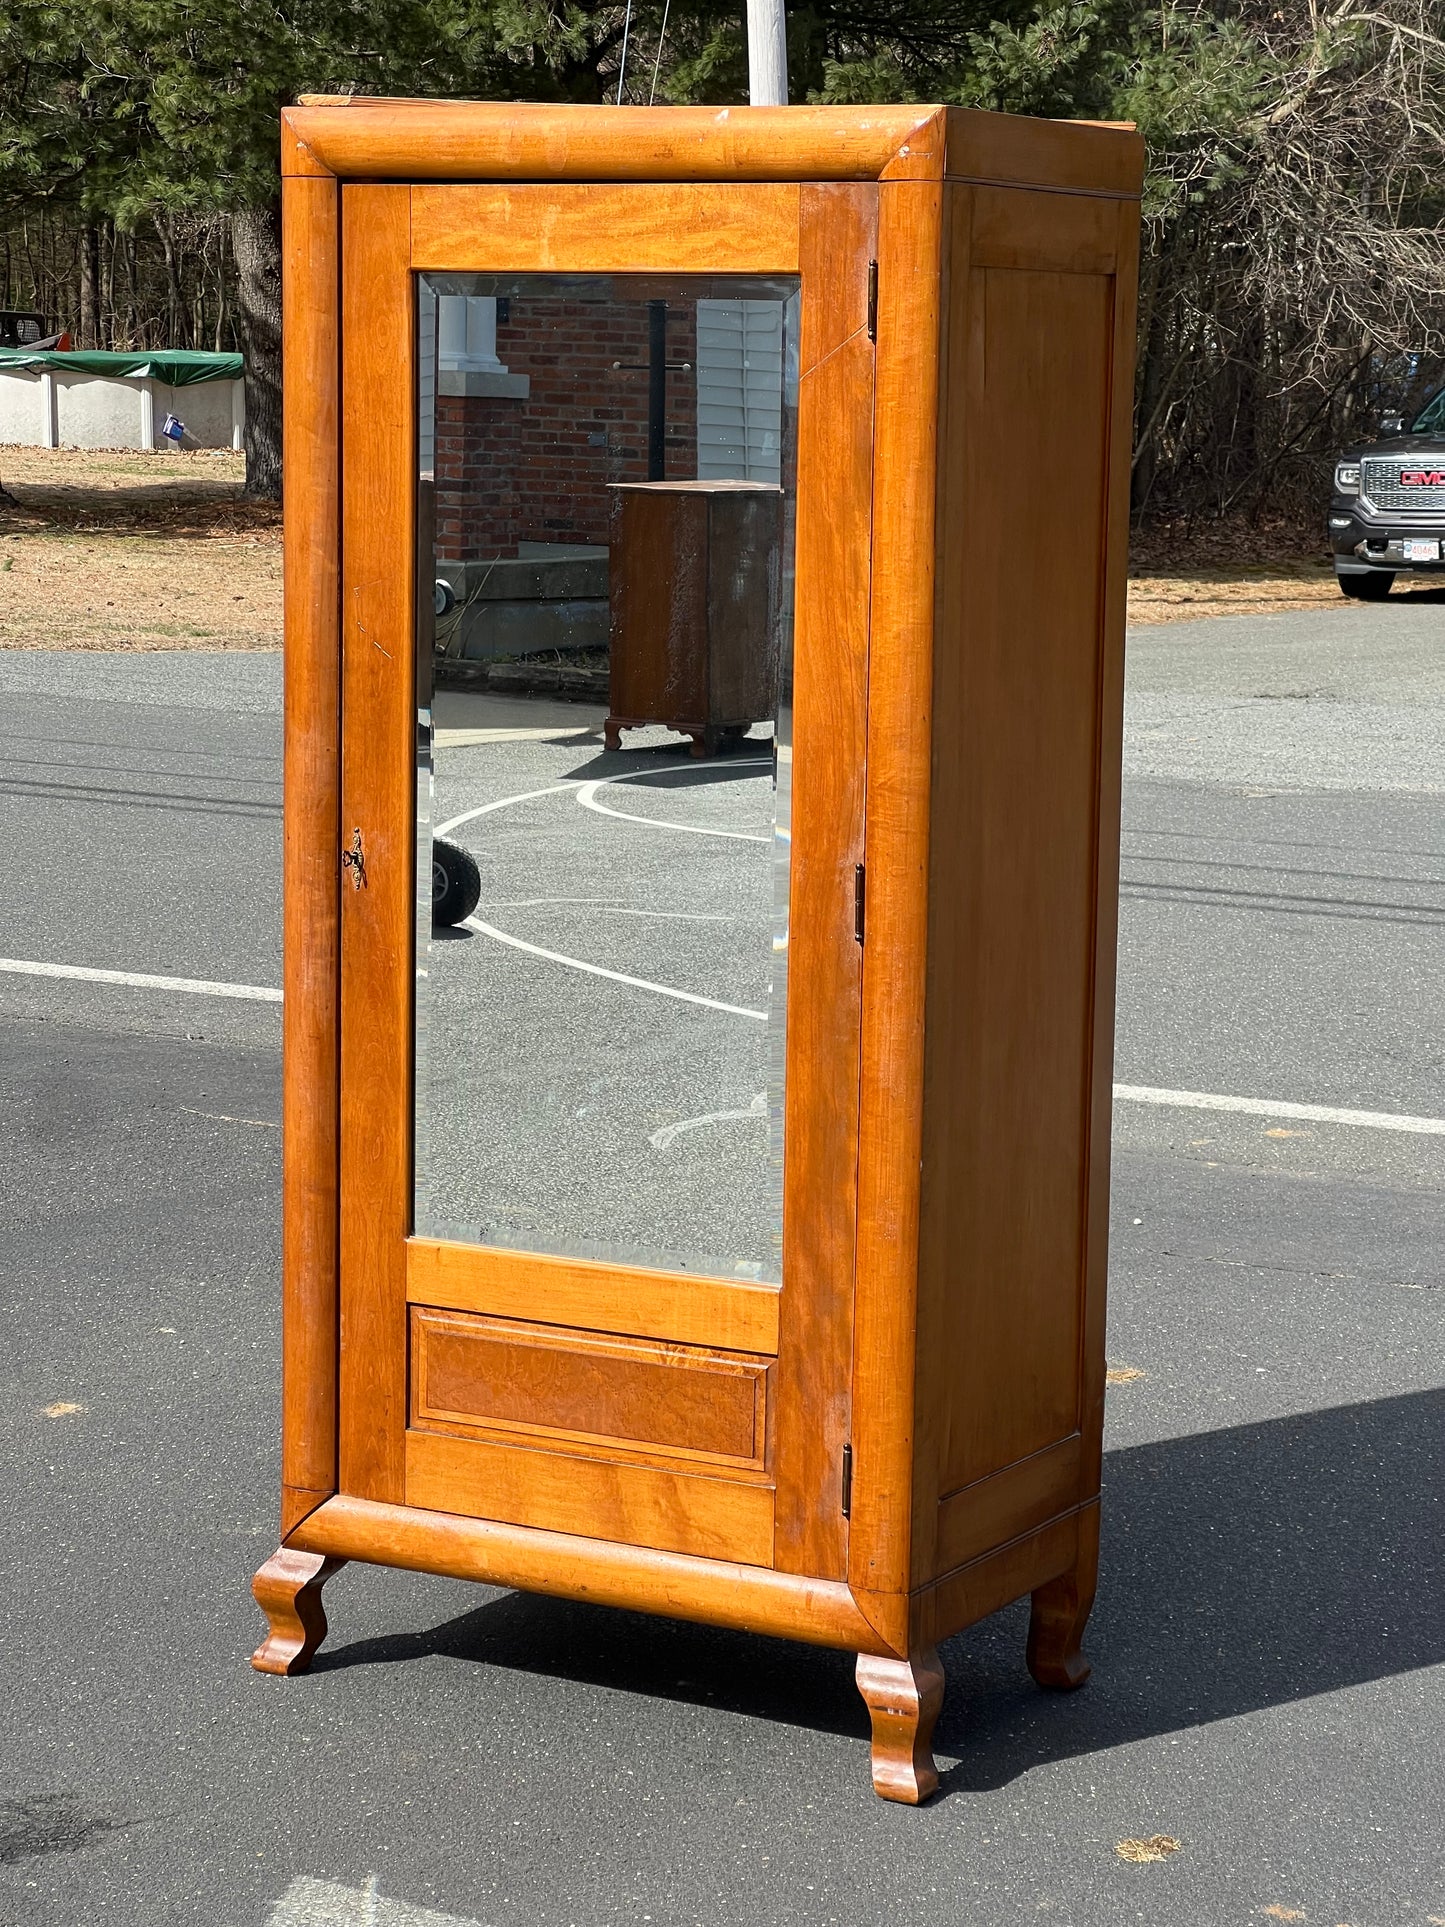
(363, 138)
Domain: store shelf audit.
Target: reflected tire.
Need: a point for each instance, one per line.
(1373, 587)
(456, 884)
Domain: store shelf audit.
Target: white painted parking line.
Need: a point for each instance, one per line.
(1123, 1093)
(141, 980)
(615, 976)
(587, 797)
(556, 789)
(502, 803)
(1276, 1107)
(325, 1903)
(661, 1139)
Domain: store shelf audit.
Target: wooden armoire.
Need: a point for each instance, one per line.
(715, 1224)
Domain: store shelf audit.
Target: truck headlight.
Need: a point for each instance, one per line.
(1347, 478)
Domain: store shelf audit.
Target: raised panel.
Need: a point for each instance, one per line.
(1021, 646)
(493, 1373)
(638, 1505)
(978, 1517)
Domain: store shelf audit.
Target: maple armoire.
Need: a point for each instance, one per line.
(714, 1222)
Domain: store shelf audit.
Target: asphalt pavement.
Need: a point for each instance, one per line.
(1269, 1640)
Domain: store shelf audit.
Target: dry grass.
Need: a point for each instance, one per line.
(120, 550)
(1250, 589)
(1158, 1846)
(115, 549)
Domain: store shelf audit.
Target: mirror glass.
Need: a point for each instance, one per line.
(604, 666)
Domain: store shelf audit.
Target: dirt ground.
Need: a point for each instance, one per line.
(118, 549)
(124, 550)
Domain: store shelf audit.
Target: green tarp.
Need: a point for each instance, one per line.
(179, 367)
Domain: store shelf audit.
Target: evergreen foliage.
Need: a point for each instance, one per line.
(1294, 274)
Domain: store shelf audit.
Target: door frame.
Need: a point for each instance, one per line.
(826, 234)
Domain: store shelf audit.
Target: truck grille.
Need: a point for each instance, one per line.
(1380, 481)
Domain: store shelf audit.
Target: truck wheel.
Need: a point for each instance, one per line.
(456, 883)
(1373, 587)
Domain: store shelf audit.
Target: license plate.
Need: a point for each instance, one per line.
(1422, 551)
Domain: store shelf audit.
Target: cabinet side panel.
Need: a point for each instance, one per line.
(1013, 937)
(1106, 928)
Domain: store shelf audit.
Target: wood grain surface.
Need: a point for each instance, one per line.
(288, 1591)
(684, 227)
(729, 1314)
(498, 1373)
(900, 745)
(311, 963)
(439, 140)
(904, 1698)
(606, 1433)
(1011, 1252)
(834, 525)
(378, 802)
(592, 1497)
(1087, 157)
(712, 1592)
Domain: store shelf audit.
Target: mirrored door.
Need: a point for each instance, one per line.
(606, 524)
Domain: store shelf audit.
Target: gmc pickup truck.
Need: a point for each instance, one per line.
(1387, 515)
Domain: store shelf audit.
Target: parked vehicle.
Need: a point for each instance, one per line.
(1387, 515)
(21, 329)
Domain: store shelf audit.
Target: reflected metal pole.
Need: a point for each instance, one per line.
(656, 391)
(767, 54)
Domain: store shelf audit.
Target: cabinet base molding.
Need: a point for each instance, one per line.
(714, 1592)
(903, 1697)
(288, 1591)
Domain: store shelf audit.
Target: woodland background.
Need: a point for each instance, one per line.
(1293, 282)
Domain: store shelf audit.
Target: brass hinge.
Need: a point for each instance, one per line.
(860, 900)
(872, 300)
(847, 1481)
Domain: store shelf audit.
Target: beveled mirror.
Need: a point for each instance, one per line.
(606, 488)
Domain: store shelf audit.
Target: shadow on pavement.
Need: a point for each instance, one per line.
(1242, 1569)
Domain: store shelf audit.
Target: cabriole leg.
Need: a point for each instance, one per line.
(903, 1697)
(1060, 1613)
(288, 1591)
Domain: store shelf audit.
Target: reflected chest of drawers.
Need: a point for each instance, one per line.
(695, 590)
(704, 1213)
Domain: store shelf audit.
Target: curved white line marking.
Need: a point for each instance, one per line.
(615, 976)
(587, 797)
(577, 963)
(502, 803)
(661, 1139)
(556, 789)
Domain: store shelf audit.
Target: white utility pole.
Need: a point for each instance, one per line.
(767, 54)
